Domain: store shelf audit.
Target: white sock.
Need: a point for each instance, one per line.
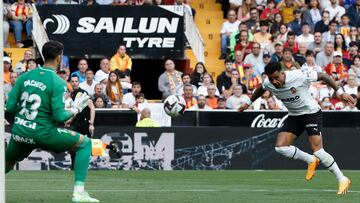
(79, 187)
(293, 152)
(328, 161)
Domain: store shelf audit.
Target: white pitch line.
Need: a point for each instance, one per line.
(192, 190)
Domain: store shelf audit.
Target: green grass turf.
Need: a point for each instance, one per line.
(182, 186)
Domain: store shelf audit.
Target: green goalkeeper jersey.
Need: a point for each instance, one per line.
(37, 100)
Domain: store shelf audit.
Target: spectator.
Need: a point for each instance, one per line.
(99, 103)
(312, 14)
(99, 92)
(211, 98)
(330, 34)
(63, 75)
(129, 98)
(221, 103)
(295, 25)
(186, 80)
(353, 51)
(350, 106)
(207, 81)
(8, 86)
(235, 36)
(21, 65)
(104, 71)
(306, 36)
(262, 102)
(237, 99)
(21, 16)
(337, 70)
(351, 86)
(354, 14)
(121, 63)
(223, 80)
(269, 11)
(287, 8)
(169, 80)
(158, 2)
(358, 98)
(300, 55)
(253, 22)
(354, 34)
(89, 84)
(244, 45)
(197, 74)
(318, 44)
(31, 64)
(114, 90)
(189, 95)
(256, 56)
(340, 46)
(201, 104)
(89, 3)
(7, 69)
(278, 21)
(325, 57)
(355, 69)
(309, 64)
(323, 25)
(6, 26)
(344, 28)
(326, 104)
(244, 11)
(288, 63)
(272, 105)
(228, 27)
(335, 10)
(146, 120)
(263, 37)
(82, 66)
(260, 67)
(282, 35)
(140, 99)
(277, 56)
(250, 79)
(291, 43)
(238, 63)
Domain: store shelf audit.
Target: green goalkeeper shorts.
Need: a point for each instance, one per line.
(57, 140)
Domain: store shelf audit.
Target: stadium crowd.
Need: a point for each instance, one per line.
(307, 35)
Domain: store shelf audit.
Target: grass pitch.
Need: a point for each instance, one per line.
(182, 186)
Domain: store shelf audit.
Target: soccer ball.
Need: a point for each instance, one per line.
(174, 105)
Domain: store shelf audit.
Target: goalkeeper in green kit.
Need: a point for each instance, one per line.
(37, 100)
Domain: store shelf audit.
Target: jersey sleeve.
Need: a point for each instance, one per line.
(14, 96)
(265, 84)
(58, 103)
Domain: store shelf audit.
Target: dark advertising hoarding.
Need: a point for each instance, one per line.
(148, 32)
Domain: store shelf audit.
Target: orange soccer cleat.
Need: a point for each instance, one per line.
(344, 186)
(311, 169)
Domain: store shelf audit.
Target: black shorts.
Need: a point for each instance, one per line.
(312, 123)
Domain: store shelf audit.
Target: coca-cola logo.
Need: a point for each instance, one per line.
(261, 122)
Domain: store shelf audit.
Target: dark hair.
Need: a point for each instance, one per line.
(51, 50)
(304, 24)
(102, 98)
(353, 96)
(353, 59)
(185, 74)
(272, 67)
(287, 49)
(136, 83)
(89, 69)
(333, 22)
(309, 53)
(228, 60)
(264, 23)
(74, 76)
(291, 33)
(345, 15)
(140, 95)
(27, 62)
(343, 46)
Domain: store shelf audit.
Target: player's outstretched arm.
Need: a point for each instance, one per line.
(258, 93)
(339, 91)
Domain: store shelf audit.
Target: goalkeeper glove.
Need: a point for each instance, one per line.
(81, 101)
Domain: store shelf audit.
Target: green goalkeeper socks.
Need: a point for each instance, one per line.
(82, 160)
